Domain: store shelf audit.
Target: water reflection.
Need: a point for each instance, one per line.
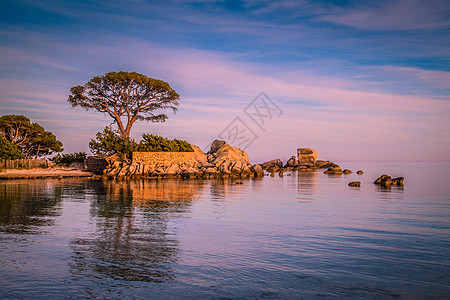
(134, 239)
(307, 183)
(26, 207)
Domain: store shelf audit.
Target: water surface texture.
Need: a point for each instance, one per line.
(308, 235)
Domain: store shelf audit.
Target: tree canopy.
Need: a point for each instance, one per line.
(31, 138)
(9, 150)
(126, 97)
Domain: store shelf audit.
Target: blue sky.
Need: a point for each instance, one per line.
(356, 80)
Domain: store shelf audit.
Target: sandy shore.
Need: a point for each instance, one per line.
(56, 172)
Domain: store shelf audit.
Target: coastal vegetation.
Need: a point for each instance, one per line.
(67, 159)
(31, 139)
(110, 142)
(8, 150)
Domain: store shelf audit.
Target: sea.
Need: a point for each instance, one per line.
(299, 236)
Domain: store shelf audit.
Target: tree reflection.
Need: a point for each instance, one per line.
(26, 206)
(133, 238)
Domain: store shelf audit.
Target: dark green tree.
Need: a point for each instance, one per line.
(9, 150)
(126, 97)
(31, 138)
(67, 159)
(42, 143)
(16, 128)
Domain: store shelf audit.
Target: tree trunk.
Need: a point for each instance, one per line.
(37, 153)
(122, 130)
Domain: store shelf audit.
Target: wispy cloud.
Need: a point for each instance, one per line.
(394, 15)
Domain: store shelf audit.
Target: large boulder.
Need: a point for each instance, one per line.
(306, 156)
(199, 155)
(221, 151)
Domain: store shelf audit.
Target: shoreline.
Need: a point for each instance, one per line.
(45, 173)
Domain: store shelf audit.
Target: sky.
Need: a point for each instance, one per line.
(355, 80)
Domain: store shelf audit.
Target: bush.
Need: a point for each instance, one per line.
(9, 150)
(68, 159)
(110, 142)
(156, 143)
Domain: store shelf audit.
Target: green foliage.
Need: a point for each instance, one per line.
(110, 142)
(126, 94)
(70, 158)
(9, 150)
(156, 143)
(31, 138)
(16, 128)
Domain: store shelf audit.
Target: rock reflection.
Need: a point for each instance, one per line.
(389, 192)
(25, 206)
(134, 239)
(307, 183)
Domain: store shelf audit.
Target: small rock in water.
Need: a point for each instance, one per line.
(386, 180)
(347, 171)
(355, 183)
(238, 182)
(360, 172)
(281, 173)
(272, 174)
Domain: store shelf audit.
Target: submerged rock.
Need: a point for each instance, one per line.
(334, 171)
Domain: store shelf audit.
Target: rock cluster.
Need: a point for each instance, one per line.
(222, 160)
(385, 180)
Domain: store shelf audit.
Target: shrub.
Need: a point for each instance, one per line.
(68, 159)
(9, 150)
(156, 143)
(110, 142)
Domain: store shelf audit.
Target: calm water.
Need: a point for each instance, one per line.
(308, 235)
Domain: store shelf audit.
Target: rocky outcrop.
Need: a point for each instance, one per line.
(385, 180)
(222, 160)
(306, 156)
